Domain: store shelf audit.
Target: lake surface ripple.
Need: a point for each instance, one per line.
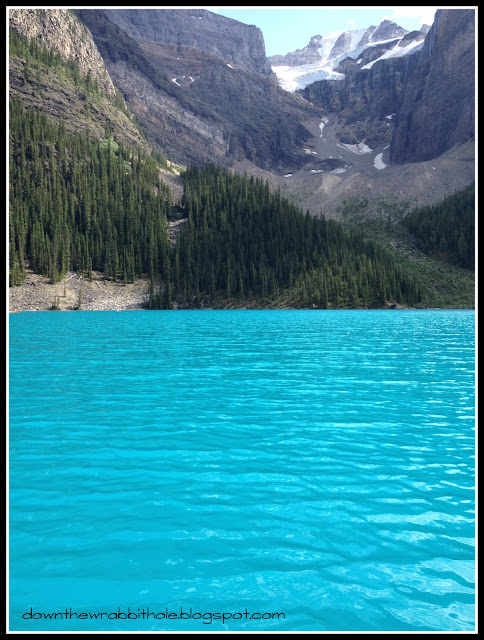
(318, 464)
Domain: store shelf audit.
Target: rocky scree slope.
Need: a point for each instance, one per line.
(201, 86)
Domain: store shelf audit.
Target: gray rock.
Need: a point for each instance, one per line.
(438, 110)
(236, 43)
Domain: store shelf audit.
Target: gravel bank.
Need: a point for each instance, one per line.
(37, 294)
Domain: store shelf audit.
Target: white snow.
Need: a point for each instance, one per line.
(293, 78)
(378, 162)
(359, 148)
(338, 170)
(397, 52)
(389, 117)
(298, 77)
(174, 80)
(324, 122)
(229, 65)
(288, 175)
(316, 170)
(309, 151)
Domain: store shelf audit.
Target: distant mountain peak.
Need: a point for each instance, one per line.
(388, 30)
(320, 58)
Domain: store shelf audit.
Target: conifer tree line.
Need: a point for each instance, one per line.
(447, 229)
(243, 243)
(82, 205)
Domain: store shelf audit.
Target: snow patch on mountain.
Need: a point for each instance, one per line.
(293, 78)
(359, 148)
(378, 162)
(324, 122)
(397, 52)
(319, 59)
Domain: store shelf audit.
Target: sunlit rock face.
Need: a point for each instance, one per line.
(61, 31)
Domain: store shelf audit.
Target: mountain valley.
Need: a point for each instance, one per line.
(359, 127)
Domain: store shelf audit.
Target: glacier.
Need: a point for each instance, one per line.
(296, 77)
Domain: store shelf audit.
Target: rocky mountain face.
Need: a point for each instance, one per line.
(438, 110)
(61, 31)
(232, 41)
(203, 90)
(367, 99)
(54, 92)
(416, 94)
(201, 86)
(309, 55)
(387, 30)
(320, 58)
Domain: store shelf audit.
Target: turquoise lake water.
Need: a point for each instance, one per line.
(178, 465)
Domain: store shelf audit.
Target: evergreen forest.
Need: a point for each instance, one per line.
(447, 230)
(80, 204)
(83, 205)
(245, 244)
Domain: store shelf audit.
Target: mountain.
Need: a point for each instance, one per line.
(319, 59)
(103, 101)
(438, 110)
(408, 100)
(201, 86)
(236, 43)
(56, 68)
(423, 82)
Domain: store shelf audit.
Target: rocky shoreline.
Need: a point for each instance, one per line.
(77, 292)
(98, 294)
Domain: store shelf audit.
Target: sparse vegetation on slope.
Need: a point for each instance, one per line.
(424, 241)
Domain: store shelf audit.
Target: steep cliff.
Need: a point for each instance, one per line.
(366, 101)
(201, 92)
(438, 109)
(76, 86)
(61, 30)
(232, 41)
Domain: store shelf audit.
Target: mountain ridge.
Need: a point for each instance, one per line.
(194, 104)
(320, 58)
